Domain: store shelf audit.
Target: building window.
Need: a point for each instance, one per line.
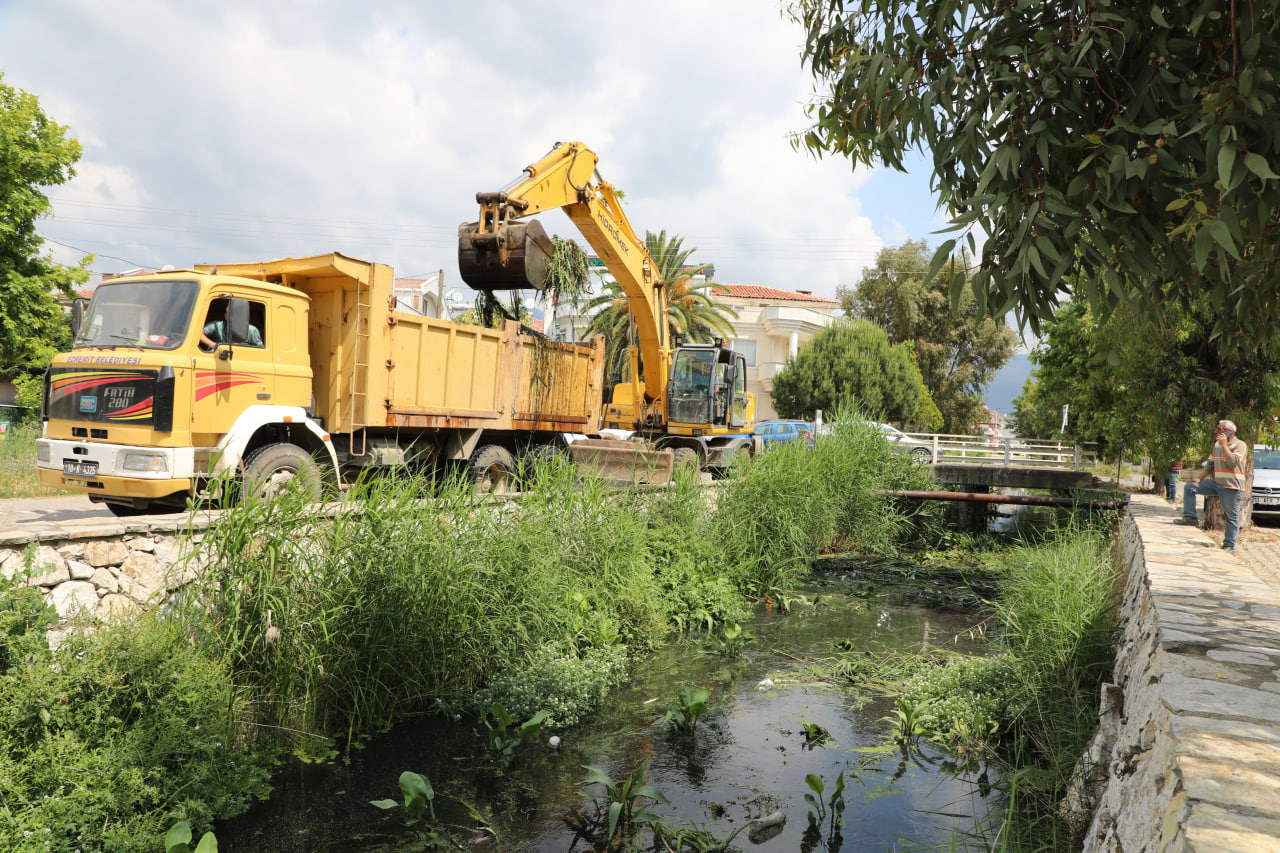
(747, 348)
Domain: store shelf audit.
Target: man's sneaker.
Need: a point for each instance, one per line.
(1230, 549)
(1191, 520)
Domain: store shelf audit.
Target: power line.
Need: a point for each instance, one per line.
(95, 254)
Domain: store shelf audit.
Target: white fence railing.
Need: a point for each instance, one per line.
(1019, 452)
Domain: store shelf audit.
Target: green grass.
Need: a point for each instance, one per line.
(1032, 706)
(18, 464)
(307, 633)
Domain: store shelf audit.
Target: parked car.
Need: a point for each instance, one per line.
(1266, 481)
(780, 432)
(919, 450)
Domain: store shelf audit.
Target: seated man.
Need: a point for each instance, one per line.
(215, 329)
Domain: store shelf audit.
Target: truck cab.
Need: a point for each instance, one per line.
(138, 412)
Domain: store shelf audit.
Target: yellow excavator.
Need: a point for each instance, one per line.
(689, 399)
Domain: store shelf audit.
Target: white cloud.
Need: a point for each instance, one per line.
(266, 130)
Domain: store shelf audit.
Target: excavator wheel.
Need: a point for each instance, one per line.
(686, 457)
(513, 257)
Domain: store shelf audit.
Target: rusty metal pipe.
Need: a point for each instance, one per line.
(991, 498)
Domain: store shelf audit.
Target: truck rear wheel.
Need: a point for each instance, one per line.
(493, 469)
(272, 469)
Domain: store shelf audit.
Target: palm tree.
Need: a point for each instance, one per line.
(693, 312)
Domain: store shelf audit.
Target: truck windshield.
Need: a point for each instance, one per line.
(139, 314)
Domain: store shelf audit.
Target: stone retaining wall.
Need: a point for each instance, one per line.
(102, 570)
(1187, 755)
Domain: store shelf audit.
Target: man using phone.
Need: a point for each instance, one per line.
(1223, 475)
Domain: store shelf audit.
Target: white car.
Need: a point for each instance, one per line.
(921, 451)
(1266, 481)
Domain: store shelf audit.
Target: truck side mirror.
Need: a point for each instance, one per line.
(238, 321)
(77, 316)
(731, 375)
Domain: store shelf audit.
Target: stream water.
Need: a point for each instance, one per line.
(748, 757)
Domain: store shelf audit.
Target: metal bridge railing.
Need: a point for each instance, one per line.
(1010, 452)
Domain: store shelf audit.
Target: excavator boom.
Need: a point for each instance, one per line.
(498, 252)
(690, 399)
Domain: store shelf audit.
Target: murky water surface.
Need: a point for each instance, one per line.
(748, 757)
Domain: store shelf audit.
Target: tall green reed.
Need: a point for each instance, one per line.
(788, 504)
(428, 592)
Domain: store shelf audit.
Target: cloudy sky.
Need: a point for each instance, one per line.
(237, 131)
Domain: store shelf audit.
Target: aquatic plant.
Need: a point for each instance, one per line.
(615, 816)
(827, 810)
(178, 840)
(418, 810)
(690, 704)
(503, 736)
(814, 734)
(731, 640)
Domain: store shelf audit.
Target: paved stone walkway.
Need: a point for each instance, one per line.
(1195, 766)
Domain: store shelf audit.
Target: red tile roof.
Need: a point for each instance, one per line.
(759, 291)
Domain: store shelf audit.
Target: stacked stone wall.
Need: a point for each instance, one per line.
(1187, 754)
(102, 572)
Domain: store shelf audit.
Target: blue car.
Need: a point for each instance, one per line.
(780, 432)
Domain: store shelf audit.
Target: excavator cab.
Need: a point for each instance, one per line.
(510, 256)
(705, 390)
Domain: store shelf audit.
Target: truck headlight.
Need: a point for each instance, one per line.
(43, 453)
(146, 462)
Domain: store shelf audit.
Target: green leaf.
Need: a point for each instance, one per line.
(940, 257)
(178, 837)
(615, 811)
(208, 844)
(1226, 160)
(1177, 204)
(1203, 245)
(1258, 164)
(1223, 237)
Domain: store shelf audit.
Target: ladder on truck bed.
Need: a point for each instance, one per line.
(358, 396)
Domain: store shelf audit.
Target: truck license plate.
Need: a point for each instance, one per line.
(77, 468)
(1267, 500)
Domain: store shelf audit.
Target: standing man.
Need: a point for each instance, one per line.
(1223, 475)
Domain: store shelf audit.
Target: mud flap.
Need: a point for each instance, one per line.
(621, 461)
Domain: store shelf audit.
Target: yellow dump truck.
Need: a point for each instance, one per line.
(301, 369)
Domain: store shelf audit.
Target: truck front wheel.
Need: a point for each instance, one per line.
(272, 469)
(493, 469)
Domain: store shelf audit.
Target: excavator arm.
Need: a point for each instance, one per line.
(498, 252)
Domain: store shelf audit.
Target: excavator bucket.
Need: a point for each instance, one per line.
(621, 461)
(514, 257)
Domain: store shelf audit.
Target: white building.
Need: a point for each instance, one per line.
(424, 295)
(772, 325)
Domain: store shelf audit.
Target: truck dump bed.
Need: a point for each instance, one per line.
(375, 367)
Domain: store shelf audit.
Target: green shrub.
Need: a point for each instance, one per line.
(562, 683)
(115, 736)
(24, 618)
